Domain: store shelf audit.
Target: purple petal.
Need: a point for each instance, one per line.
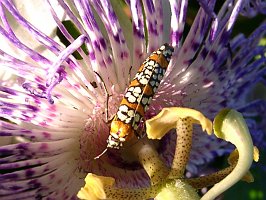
(252, 8)
(178, 17)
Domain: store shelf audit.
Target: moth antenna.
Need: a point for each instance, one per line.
(100, 155)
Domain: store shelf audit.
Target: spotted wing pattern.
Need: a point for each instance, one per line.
(138, 96)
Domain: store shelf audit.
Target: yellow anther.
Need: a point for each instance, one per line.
(94, 187)
(166, 120)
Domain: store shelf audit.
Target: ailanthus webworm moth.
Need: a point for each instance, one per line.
(137, 98)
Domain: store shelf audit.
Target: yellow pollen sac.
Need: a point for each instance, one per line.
(166, 120)
(94, 188)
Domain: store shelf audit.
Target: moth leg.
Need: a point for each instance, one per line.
(107, 118)
(129, 75)
(141, 131)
